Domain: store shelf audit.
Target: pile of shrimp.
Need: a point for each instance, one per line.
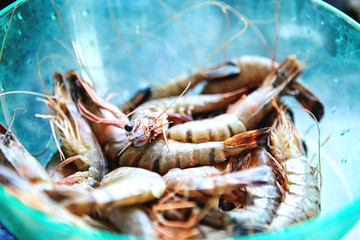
(169, 165)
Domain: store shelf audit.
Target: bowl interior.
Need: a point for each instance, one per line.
(122, 46)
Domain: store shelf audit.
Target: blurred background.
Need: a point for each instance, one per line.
(350, 7)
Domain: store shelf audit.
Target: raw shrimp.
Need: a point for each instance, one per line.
(105, 125)
(244, 114)
(78, 142)
(266, 198)
(177, 217)
(153, 117)
(150, 185)
(124, 186)
(186, 106)
(34, 197)
(252, 70)
(307, 99)
(249, 71)
(32, 185)
(302, 199)
(113, 132)
(174, 87)
(156, 157)
(14, 155)
(208, 181)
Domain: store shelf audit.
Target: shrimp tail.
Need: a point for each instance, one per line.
(308, 100)
(247, 229)
(247, 140)
(222, 71)
(140, 97)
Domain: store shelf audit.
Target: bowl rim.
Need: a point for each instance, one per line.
(286, 233)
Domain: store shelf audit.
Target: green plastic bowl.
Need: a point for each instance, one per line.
(125, 45)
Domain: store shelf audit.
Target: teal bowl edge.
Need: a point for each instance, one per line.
(308, 229)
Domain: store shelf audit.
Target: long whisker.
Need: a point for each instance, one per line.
(92, 117)
(7, 31)
(12, 122)
(139, 109)
(123, 150)
(62, 156)
(187, 87)
(160, 126)
(26, 92)
(97, 100)
(276, 25)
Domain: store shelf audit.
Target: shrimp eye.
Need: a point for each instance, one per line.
(281, 74)
(280, 77)
(128, 127)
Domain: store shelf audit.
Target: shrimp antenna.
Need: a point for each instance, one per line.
(187, 87)
(163, 131)
(7, 30)
(123, 150)
(27, 92)
(12, 122)
(276, 26)
(166, 141)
